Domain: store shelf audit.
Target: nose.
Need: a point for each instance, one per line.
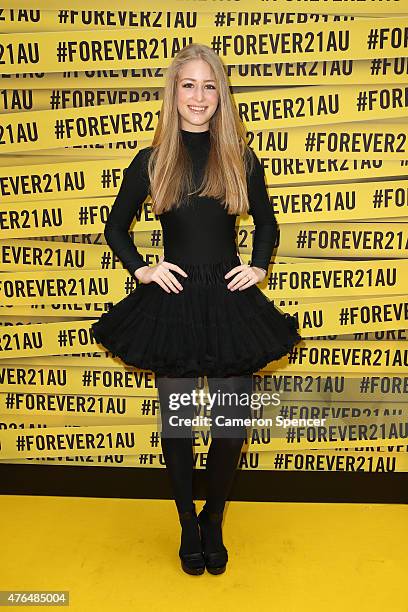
(199, 93)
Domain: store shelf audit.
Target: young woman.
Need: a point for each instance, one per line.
(198, 312)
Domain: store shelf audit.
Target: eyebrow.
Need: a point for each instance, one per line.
(191, 79)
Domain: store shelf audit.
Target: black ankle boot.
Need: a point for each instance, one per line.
(215, 556)
(192, 562)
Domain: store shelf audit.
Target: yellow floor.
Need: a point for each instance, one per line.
(119, 555)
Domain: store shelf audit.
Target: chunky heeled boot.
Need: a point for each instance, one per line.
(216, 557)
(191, 562)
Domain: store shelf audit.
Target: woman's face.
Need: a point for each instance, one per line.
(197, 95)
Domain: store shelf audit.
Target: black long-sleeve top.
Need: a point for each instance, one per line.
(203, 231)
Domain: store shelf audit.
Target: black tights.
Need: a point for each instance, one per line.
(226, 442)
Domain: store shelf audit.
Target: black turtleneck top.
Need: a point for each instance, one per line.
(198, 232)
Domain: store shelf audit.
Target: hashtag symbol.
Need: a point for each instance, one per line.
(301, 239)
(358, 336)
(9, 401)
(59, 128)
(378, 198)
(62, 337)
(292, 357)
(154, 438)
(83, 215)
(290, 435)
(63, 16)
(216, 43)
(86, 378)
(55, 98)
(344, 315)
(105, 260)
(278, 460)
(364, 384)
(362, 101)
(143, 458)
(372, 38)
(20, 442)
(273, 280)
(155, 238)
(310, 141)
(130, 283)
(376, 66)
(219, 19)
(284, 411)
(146, 406)
(106, 178)
(61, 51)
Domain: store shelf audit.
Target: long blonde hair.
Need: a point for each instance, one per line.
(169, 167)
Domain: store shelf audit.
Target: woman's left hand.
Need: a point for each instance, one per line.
(245, 276)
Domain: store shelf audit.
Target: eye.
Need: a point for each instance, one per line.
(208, 85)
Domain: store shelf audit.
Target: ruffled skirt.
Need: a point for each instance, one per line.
(204, 330)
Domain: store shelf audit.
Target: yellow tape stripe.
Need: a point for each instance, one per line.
(100, 374)
(340, 72)
(113, 49)
(331, 7)
(115, 378)
(346, 146)
(60, 407)
(53, 255)
(17, 20)
(352, 316)
(325, 240)
(356, 141)
(305, 461)
(94, 439)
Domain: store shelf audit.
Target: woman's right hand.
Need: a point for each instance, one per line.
(161, 274)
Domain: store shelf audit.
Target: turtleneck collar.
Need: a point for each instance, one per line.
(198, 138)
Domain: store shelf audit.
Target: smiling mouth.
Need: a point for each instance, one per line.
(197, 109)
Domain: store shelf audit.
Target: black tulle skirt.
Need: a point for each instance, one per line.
(205, 329)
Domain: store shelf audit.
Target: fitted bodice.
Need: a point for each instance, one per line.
(200, 230)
